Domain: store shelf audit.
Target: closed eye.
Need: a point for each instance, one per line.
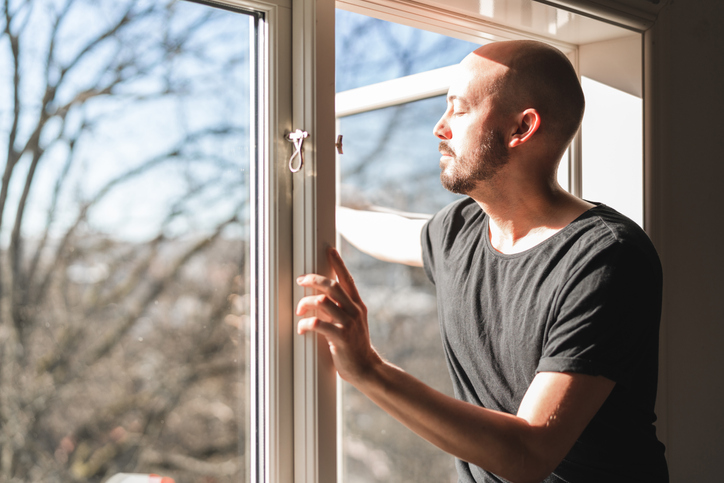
(458, 106)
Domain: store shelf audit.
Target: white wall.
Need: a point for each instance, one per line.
(616, 63)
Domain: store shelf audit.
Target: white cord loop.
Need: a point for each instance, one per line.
(297, 137)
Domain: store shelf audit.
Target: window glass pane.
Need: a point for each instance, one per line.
(369, 50)
(124, 238)
(391, 160)
(391, 157)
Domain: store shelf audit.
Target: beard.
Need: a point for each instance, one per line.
(463, 173)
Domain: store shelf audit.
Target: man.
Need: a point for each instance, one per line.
(549, 305)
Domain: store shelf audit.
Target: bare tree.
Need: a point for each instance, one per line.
(122, 349)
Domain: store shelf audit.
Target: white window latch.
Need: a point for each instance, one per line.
(297, 137)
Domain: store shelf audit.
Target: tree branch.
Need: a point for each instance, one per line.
(12, 155)
(127, 17)
(50, 218)
(107, 188)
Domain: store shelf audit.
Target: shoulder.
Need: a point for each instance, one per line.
(620, 227)
(620, 232)
(606, 242)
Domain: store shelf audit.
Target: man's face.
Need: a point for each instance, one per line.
(473, 147)
(460, 173)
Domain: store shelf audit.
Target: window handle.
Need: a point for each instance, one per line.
(338, 144)
(297, 137)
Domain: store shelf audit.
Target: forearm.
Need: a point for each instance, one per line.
(386, 236)
(504, 444)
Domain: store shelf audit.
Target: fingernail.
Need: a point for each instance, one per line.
(300, 279)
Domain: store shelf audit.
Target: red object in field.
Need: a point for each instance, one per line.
(159, 479)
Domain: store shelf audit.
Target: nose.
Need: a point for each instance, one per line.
(442, 129)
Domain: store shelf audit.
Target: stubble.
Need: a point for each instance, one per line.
(463, 173)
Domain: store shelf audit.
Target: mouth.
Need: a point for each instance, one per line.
(445, 150)
(444, 153)
(446, 156)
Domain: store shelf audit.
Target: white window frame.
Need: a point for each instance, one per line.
(313, 198)
(270, 434)
(292, 379)
(294, 437)
(270, 440)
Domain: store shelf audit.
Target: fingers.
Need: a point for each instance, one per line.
(315, 324)
(340, 316)
(329, 287)
(344, 293)
(343, 275)
(337, 304)
(325, 307)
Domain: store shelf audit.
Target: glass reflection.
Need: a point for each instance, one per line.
(124, 237)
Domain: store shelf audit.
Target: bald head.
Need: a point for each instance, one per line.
(526, 74)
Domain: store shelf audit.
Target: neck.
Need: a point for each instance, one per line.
(522, 218)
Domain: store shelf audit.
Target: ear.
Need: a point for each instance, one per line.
(528, 123)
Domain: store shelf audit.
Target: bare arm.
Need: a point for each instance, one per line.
(526, 447)
(387, 236)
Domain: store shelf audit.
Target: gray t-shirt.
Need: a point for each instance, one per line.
(587, 300)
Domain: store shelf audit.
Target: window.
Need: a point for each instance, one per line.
(150, 231)
(133, 138)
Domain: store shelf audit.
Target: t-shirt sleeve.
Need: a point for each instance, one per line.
(604, 315)
(428, 259)
(438, 233)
